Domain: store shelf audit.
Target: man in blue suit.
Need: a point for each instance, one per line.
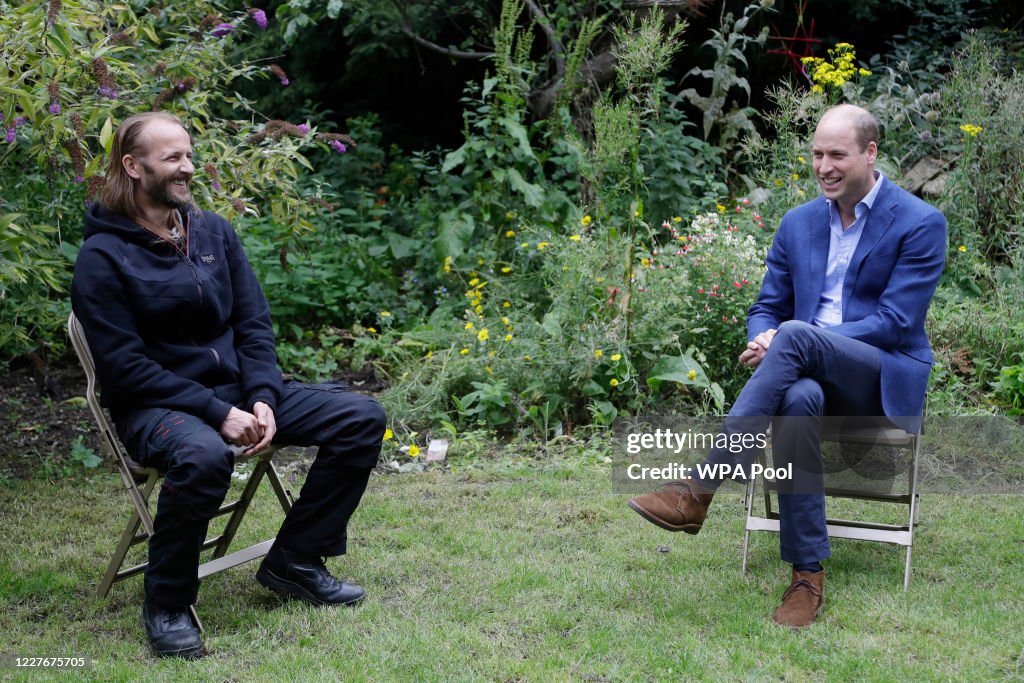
(837, 329)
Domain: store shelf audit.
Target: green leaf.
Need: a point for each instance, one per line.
(455, 158)
(402, 246)
(106, 135)
(533, 194)
(677, 369)
(517, 131)
(454, 231)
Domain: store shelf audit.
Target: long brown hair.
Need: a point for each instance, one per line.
(119, 190)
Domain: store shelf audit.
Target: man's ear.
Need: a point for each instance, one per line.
(872, 151)
(131, 165)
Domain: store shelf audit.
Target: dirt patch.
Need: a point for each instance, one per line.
(46, 430)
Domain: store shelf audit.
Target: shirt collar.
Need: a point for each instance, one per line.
(865, 204)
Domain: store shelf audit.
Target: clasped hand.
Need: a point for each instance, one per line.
(255, 430)
(756, 348)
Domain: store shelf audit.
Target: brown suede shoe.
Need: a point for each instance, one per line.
(803, 600)
(676, 506)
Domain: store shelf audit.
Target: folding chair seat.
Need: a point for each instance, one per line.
(866, 436)
(140, 481)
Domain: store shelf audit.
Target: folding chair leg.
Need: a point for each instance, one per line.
(241, 507)
(906, 571)
(126, 542)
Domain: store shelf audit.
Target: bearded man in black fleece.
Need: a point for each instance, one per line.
(184, 349)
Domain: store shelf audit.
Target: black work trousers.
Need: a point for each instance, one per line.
(348, 428)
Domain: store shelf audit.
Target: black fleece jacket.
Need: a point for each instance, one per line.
(166, 326)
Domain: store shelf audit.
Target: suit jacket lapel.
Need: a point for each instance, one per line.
(817, 260)
(880, 218)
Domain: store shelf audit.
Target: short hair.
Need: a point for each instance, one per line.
(865, 125)
(118, 191)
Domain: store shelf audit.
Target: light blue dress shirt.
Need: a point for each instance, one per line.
(841, 245)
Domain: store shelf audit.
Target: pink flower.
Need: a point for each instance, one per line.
(260, 17)
(303, 128)
(338, 146)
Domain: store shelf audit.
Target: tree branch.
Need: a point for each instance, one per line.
(459, 54)
(556, 45)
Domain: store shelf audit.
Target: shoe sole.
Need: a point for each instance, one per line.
(291, 589)
(691, 529)
(187, 653)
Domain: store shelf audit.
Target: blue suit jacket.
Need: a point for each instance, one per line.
(889, 284)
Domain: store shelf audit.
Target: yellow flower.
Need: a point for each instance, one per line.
(802, 160)
(614, 382)
(510, 215)
(721, 208)
(480, 262)
(447, 264)
(510, 233)
(463, 352)
(414, 450)
(541, 246)
(489, 370)
(586, 220)
(385, 314)
(796, 176)
(506, 304)
(524, 245)
(371, 330)
(779, 182)
(505, 320)
(506, 269)
(469, 325)
(962, 249)
(478, 309)
(492, 354)
(971, 129)
(692, 374)
(482, 335)
(474, 282)
(527, 359)
(677, 219)
(430, 354)
(863, 72)
(600, 280)
(598, 353)
(388, 434)
(645, 262)
(616, 357)
(508, 337)
(575, 238)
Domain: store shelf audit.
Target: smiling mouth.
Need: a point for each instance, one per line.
(830, 182)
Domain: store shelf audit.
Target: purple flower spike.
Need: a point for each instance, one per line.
(55, 108)
(221, 30)
(19, 121)
(11, 134)
(260, 17)
(338, 147)
(215, 185)
(285, 81)
(108, 92)
(303, 128)
(79, 178)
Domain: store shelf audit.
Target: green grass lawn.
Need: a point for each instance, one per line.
(529, 571)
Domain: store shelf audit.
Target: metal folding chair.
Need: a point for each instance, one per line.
(897, 534)
(140, 481)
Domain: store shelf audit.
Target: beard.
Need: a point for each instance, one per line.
(161, 189)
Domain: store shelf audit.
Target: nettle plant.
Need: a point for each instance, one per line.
(73, 71)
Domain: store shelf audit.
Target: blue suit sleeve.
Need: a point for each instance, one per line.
(775, 301)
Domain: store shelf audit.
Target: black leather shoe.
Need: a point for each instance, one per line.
(290, 574)
(171, 632)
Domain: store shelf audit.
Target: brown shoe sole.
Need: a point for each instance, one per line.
(688, 528)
